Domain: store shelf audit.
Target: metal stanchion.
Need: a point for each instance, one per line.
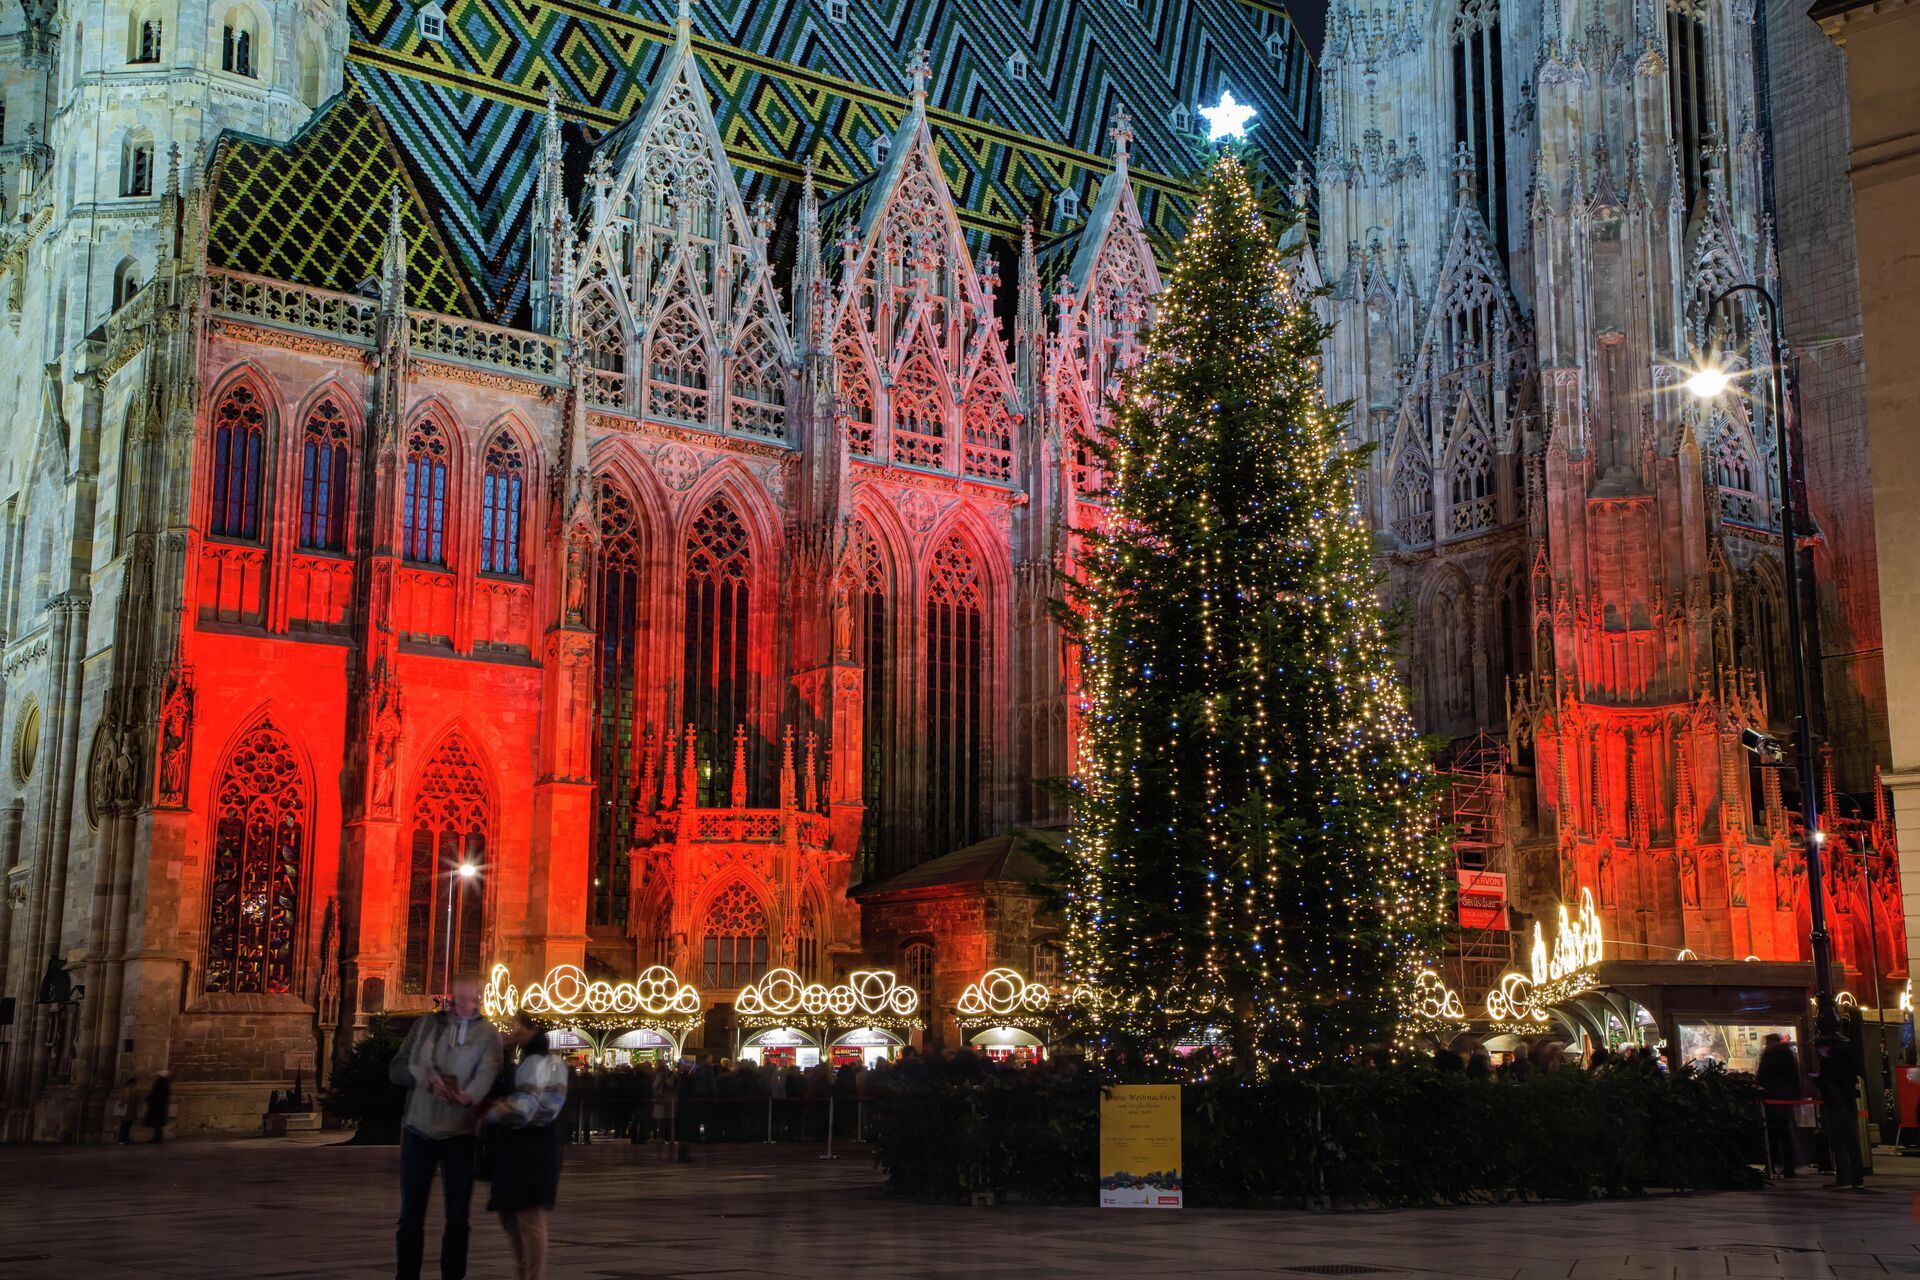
(768, 1140)
(830, 1155)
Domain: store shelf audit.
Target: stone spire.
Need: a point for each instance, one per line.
(393, 261)
(551, 245)
(919, 71)
(806, 264)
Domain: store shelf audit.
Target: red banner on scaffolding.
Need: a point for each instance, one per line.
(1483, 899)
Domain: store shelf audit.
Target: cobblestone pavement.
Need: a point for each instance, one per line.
(307, 1209)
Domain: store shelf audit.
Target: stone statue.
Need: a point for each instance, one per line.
(842, 622)
(576, 585)
(176, 724)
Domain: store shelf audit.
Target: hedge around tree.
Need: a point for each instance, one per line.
(1393, 1136)
(360, 1091)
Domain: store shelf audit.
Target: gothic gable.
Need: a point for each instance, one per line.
(915, 316)
(674, 290)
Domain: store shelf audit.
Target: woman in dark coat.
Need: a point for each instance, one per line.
(527, 1144)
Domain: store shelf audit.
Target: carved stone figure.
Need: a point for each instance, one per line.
(176, 728)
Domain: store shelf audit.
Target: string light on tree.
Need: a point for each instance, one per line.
(1253, 859)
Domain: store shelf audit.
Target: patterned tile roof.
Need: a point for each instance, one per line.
(314, 210)
(790, 82)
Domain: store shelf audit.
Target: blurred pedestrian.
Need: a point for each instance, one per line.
(448, 1062)
(159, 1103)
(1778, 1074)
(1839, 1080)
(527, 1147)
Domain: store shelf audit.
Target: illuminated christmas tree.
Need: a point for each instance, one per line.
(1253, 856)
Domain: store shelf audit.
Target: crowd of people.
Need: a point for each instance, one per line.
(712, 1098)
(1832, 1085)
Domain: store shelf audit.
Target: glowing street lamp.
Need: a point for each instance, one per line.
(463, 873)
(1709, 381)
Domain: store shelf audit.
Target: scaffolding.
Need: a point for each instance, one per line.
(1475, 812)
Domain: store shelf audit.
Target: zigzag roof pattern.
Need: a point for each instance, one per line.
(790, 83)
(313, 210)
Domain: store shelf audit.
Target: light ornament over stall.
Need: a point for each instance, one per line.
(1434, 1001)
(782, 993)
(1576, 948)
(1002, 993)
(567, 992)
(1520, 1001)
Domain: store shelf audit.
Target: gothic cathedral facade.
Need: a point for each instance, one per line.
(1527, 215)
(668, 563)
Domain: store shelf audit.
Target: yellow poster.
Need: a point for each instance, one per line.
(1140, 1147)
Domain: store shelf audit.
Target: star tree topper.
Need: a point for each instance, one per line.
(1228, 119)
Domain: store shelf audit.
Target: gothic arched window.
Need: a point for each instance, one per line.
(1472, 485)
(604, 337)
(919, 416)
(325, 478)
(1689, 91)
(616, 614)
(446, 909)
(806, 941)
(989, 432)
(146, 38)
(126, 282)
(759, 393)
(718, 612)
(238, 38)
(1412, 499)
(733, 939)
(955, 656)
(239, 450)
(1479, 108)
(856, 394)
(261, 819)
(917, 960)
(872, 636)
(423, 507)
(136, 165)
(677, 368)
(502, 486)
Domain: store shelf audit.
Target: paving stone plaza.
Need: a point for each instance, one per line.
(314, 1210)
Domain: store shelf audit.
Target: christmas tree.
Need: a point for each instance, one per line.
(1253, 858)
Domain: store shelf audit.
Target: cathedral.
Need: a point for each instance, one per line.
(1526, 213)
(632, 454)
(633, 450)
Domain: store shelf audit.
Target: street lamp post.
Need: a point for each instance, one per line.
(463, 873)
(1707, 383)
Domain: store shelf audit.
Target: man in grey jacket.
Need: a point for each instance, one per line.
(448, 1063)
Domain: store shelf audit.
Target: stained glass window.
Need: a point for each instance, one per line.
(954, 653)
(719, 608)
(423, 509)
(239, 448)
(446, 911)
(872, 648)
(734, 939)
(616, 661)
(325, 479)
(261, 817)
(502, 486)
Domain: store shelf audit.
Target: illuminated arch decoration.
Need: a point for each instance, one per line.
(868, 998)
(566, 993)
(1559, 973)
(1002, 993)
(1434, 1001)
